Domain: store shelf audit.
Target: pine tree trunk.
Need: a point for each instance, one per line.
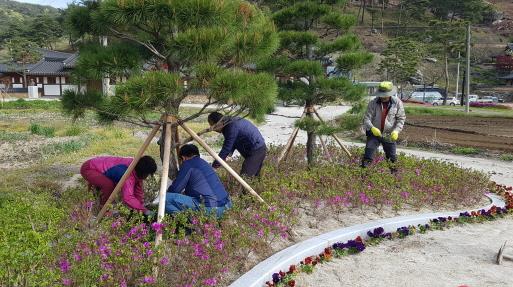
(310, 141)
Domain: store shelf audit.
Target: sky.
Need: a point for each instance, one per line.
(54, 3)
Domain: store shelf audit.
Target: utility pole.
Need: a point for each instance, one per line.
(467, 83)
(458, 76)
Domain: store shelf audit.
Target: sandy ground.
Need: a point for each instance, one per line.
(463, 255)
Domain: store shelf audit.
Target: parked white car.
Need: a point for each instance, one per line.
(426, 97)
(450, 101)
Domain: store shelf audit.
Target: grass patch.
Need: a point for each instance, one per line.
(459, 111)
(36, 104)
(74, 130)
(37, 129)
(13, 136)
(506, 157)
(465, 150)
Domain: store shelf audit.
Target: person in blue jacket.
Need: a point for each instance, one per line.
(199, 183)
(241, 135)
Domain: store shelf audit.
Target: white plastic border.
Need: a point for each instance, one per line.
(263, 272)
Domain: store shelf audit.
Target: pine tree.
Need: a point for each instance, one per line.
(191, 44)
(314, 33)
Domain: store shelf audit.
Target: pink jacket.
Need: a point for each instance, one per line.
(132, 191)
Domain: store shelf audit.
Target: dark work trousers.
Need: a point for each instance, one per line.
(253, 163)
(372, 145)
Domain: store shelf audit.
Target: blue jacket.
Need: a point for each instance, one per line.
(241, 135)
(201, 182)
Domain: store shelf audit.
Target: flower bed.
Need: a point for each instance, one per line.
(200, 251)
(377, 235)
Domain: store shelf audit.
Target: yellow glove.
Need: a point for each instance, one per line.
(394, 136)
(376, 132)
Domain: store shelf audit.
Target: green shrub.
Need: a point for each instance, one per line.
(506, 157)
(36, 104)
(29, 227)
(37, 129)
(465, 150)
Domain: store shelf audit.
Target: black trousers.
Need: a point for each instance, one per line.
(253, 163)
(372, 145)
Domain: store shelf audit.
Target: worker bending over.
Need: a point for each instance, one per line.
(199, 183)
(241, 135)
(105, 172)
(383, 122)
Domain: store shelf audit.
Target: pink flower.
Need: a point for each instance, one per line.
(210, 282)
(64, 265)
(123, 283)
(66, 282)
(364, 199)
(157, 227)
(261, 233)
(148, 280)
(219, 245)
(116, 224)
(77, 256)
(405, 194)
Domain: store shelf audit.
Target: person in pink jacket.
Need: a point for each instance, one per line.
(104, 173)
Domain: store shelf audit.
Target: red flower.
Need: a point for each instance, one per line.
(308, 260)
(292, 268)
(359, 239)
(291, 283)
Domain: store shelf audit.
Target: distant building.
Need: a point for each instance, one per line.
(504, 64)
(51, 74)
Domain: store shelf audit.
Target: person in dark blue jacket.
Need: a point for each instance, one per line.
(241, 135)
(200, 185)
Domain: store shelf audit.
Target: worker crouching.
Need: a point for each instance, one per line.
(200, 186)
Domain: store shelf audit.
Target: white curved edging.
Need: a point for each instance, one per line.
(263, 272)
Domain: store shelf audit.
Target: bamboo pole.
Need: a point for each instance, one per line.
(222, 162)
(285, 152)
(165, 175)
(334, 136)
(127, 173)
(325, 148)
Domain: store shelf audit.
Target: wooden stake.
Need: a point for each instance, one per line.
(127, 172)
(333, 135)
(165, 174)
(222, 162)
(325, 148)
(285, 151)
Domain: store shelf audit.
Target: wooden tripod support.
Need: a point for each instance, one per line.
(222, 162)
(333, 135)
(165, 174)
(286, 150)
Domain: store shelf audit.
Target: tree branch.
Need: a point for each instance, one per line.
(147, 45)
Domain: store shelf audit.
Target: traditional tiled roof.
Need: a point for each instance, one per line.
(53, 63)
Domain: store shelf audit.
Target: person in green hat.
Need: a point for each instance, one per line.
(383, 122)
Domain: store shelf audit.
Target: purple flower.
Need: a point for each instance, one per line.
(66, 282)
(116, 224)
(164, 261)
(104, 277)
(77, 256)
(219, 245)
(123, 283)
(64, 265)
(210, 282)
(157, 227)
(405, 194)
(276, 277)
(148, 280)
(364, 199)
